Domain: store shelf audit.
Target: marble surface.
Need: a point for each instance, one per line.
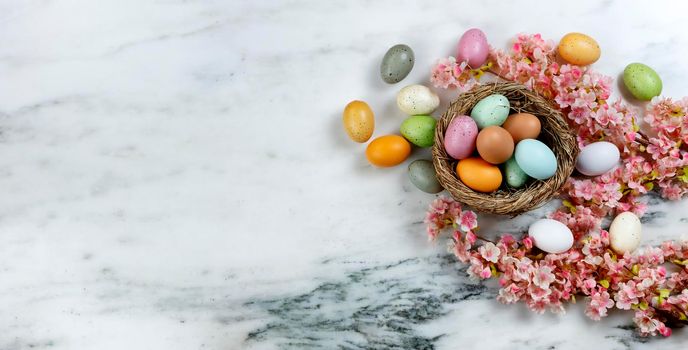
(174, 175)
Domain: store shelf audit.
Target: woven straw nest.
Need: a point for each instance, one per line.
(508, 201)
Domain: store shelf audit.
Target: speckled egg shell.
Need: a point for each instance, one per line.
(422, 174)
(624, 233)
(419, 129)
(359, 121)
(515, 176)
(417, 99)
(459, 139)
(642, 81)
(579, 49)
(492, 110)
(473, 48)
(396, 64)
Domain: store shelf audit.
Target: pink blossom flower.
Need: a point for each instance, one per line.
(599, 303)
(543, 277)
(490, 252)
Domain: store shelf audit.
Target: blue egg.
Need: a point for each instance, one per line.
(536, 159)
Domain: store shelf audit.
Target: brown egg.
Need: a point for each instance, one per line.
(522, 126)
(495, 144)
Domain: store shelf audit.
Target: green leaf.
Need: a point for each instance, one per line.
(635, 269)
(663, 294)
(643, 305)
(649, 186)
(604, 283)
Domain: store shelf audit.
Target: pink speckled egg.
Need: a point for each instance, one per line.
(459, 139)
(473, 48)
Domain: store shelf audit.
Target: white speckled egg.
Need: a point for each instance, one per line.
(417, 99)
(597, 158)
(551, 236)
(624, 233)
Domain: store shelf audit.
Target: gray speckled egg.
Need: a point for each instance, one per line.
(422, 175)
(396, 64)
(515, 176)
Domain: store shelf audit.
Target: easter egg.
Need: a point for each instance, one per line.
(479, 175)
(422, 174)
(459, 139)
(419, 129)
(473, 48)
(387, 151)
(515, 176)
(536, 159)
(495, 144)
(624, 233)
(522, 126)
(551, 236)
(396, 64)
(359, 121)
(642, 81)
(579, 49)
(597, 158)
(492, 110)
(417, 99)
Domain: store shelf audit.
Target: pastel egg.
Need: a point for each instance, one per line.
(579, 49)
(420, 130)
(515, 176)
(388, 151)
(597, 158)
(624, 233)
(551, 236)
(492, 110)
(422, 174)
(495, 144)
(536, 159)
(397, 63)
(359, 121)
(642, 81)
(473, 48)
(417, 99)
(459, 139)
(479, 175)
(522, 126)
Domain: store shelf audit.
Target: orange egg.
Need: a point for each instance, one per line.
(479, 175)
(522, 126)
(387, 151)
(495, 144)
(579, 49)
(359, 121)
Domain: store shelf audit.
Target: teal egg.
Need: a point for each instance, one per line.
(396, 64)
(419, 130)
(642, 81)
(515, 176)
(492, 110)
(535, 159)
(422, 174)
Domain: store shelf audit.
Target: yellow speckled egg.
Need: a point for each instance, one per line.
(359, 121)
(579, 49)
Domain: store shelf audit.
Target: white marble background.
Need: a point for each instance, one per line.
(174, 175)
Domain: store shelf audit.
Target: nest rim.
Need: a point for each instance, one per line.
(555, 133)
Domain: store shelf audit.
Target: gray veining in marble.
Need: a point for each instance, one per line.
(174, 175)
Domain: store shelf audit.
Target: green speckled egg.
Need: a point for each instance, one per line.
(642, 81)
(422, 175)
(396, 64)
(515, 176)
(492, 110)
(419, 130)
